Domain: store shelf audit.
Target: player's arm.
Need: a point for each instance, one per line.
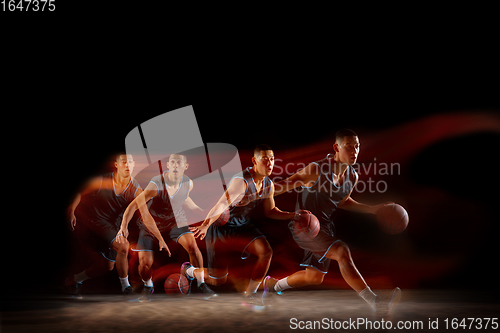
(139, 203)
(274, 212)
(235, 192)
(191, 205)
(352, 205)
(306, 176)
(93, 185)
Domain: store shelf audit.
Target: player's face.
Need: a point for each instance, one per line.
(176, 166)
(348, 150)
(125, 165)
(264, 162)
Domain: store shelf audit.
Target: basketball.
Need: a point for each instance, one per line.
(392, 219)
(223, 218)
(176, 284)
(306, 225)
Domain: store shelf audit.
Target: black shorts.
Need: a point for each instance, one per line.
(99, 235)
(315, 249)
(222, 241)
(148, 242)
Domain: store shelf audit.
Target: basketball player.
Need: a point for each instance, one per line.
(247, 190)
(170, 194)
(327, 186)
(100, 208)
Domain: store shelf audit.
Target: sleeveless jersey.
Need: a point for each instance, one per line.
(240, 214)
(105, 205)
(167, 210)
(323, 196)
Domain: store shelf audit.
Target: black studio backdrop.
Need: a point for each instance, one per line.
(77, 146)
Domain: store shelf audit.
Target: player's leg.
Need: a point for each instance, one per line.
(381, 304)
(122, 264)
(340, 252)
(146, 259)
(188, 242)
(309, 276)
(194, 269)
(262, 250)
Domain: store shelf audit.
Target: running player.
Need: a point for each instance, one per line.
(246, 191)
(327, 186)
(169, 192)
(100, 207)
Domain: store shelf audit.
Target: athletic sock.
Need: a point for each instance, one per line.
(190, 271)
(148, 283)
(200, 276)
(124, 282)
(80, 277)
(253, 286)
(282, 285)
(368, 295)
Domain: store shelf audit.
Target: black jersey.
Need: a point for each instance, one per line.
(323, 196)
(240, 214)
(105, 205)
(165, 209)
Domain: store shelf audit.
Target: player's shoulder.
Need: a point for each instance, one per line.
(156, 179)
(353, 171)
(135, 183)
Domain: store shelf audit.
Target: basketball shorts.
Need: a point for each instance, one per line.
(148, 242)
(223, 241)
(315, 249)
(98, 235)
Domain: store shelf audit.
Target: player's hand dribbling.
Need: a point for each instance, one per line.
(377, 207)
(72, 221)
(201, 231)
(163, 246)
(122, 235)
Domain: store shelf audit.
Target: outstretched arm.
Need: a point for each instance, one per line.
(305, 176)
(191, 205)
(139, 203)
(352, 205)
(274, 212)
(92, 185)
(235, 192)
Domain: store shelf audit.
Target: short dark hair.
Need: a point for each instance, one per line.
(117, 156)
(260, 148)
(184, 157)
(341, 134)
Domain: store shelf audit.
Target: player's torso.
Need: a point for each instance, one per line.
(167, 207)
(322, 197)
(240, 214)
(109, 202)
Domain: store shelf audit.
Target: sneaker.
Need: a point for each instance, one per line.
(253, 301)
(75, 288)
(206, 290)
(147, 292)
(128, 291)
(269, 283)
(386, 303)
(184, 267)
(269, 291)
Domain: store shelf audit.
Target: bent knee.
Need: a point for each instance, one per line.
(146, 262)
(267, 253)
(340, 252)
